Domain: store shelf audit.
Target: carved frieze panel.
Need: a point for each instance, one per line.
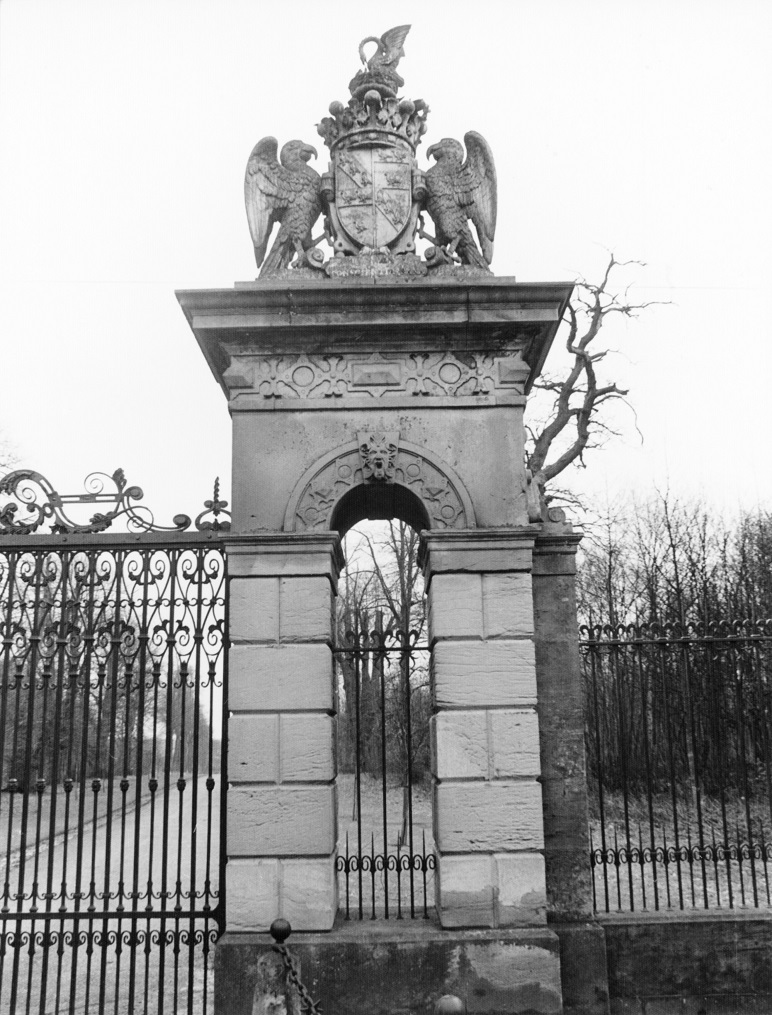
(433, 374)
(443, 502)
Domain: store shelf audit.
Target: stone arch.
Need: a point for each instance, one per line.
(317, 501)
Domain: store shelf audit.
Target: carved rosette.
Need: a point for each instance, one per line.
(435, 374)
(444, 503)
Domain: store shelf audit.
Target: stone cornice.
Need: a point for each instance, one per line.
(476, 550)
(494, 315)
(254, 554)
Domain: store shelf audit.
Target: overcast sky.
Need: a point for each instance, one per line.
(125, 127)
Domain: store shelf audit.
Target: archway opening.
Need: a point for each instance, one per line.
(385, 842)
(379, 501)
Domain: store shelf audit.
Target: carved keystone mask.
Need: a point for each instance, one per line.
(378, 452)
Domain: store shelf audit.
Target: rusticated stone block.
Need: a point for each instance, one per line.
(270, 678)
(455, 606)
(515, 742)
(254, 609)
(309, 893)
(488, 816)
(301, 891)
(466, 891)
(461, 744)
(476, 674)
(306, 748)
(253, 894)
(305, 609)
(521, 889)
(253, 748)
(281, 821)
(486, 744)
(507, 605)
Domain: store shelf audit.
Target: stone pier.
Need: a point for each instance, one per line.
(321, 378)
(488, 802)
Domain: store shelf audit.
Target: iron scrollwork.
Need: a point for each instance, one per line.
(29, 501)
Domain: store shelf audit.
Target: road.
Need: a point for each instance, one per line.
(152, 859)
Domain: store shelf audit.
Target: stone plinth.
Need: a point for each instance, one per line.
(380, 969)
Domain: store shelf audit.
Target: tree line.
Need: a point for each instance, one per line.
(675, 606)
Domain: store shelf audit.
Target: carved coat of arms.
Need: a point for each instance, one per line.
(373, 194)
(373, 189)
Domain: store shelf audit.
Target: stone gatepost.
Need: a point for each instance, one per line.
(388, 382)
(488, 802)
(321, 379)
(281, 817)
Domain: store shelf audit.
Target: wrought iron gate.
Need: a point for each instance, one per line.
(385, 844)
(112, 716)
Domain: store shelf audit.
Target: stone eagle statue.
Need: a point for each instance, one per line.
(457, 191)
(288, 193)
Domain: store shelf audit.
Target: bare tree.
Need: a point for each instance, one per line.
(576, 421)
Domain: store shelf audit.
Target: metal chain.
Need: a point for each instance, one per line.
(310, 1007)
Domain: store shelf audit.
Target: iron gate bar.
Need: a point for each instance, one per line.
(372, 650)
(98, 632)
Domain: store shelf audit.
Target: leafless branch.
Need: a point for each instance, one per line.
(579, 396)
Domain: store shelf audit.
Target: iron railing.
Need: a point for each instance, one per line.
(112, 717)
(385, 847)
(678, 738)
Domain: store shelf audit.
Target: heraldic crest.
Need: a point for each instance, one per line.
(374, 194)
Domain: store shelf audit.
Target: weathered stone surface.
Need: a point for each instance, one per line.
(455, 606)
(506, 889)
(306, 748)
(253, 748)
(301, 891)
(281, 821)
(253, 894)
(380, 970)
(296, 609)
(268, 554)
(507, 605)
(269, 678)
(486, 744)
(461, 744)
(309, 893)
(515, 742)
(305, 609)
(273, 994)
(583, 968)
(521, 889)
(720, 963)
(476, 674)
(280, 748)
(561, 716)
(466, 892)
(254, 609)
(488, 816)
(485, 550)
(481, 606)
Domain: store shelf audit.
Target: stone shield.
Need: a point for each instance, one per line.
(373, 190)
